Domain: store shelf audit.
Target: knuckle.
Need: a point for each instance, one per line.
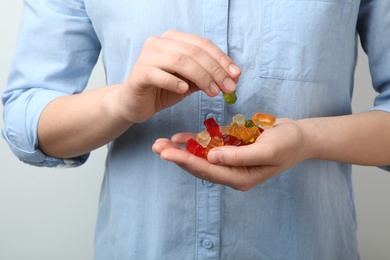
(152, 76)
(204, 78)
(217, 70)
(178, 59)
(192, 50)
(147, 74)
(222, 58)
(165, 79)
(204, 42)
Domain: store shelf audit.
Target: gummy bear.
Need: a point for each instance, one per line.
(214, 142)
(230, 98)
(195, 148)
(239, 119)
(224, 129)
(212, 127)
(247, 135)
(249, 123)
(255, 133)
(263, 119)
(232, 140)
(203, 138)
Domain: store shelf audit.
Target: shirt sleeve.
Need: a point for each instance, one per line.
(374, 30)
(56, 51)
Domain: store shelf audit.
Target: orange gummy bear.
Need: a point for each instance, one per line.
(263, 119)
(214, 142)
(247, 135)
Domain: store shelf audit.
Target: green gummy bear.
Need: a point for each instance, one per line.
(249, 123)
(230, 98)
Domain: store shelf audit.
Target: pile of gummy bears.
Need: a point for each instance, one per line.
(240, 132)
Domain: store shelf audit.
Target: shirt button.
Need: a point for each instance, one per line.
(211, 115)
(207, 184)
(207, 244)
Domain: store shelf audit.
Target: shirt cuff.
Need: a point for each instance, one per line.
(20, 131)
(38, 158)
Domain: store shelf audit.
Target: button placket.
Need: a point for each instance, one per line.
(208, 194)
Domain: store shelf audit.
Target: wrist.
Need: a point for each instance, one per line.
(112, 103)
(312, 141)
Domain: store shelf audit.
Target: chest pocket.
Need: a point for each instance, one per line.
(303, 40)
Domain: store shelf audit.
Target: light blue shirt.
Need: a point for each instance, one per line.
(298, 58)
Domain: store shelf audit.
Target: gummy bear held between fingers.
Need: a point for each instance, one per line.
(230, 98)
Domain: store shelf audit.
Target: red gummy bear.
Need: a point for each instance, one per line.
(195, 148)
(212, 127)
(232, 140)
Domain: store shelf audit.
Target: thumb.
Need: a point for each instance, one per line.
(237, 156)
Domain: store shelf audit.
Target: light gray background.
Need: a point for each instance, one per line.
(50, 214)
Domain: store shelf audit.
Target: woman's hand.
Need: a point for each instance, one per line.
(242, 168)
(171, 67)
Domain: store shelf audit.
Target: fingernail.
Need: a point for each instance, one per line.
(182, 87)
(229, 84)
(214, 88)
(214, 157)
(235, 70)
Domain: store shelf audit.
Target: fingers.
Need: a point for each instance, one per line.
(197, 166)
(182, 138)
(163, 144)
(239, 178)
(179, 55)
(152, 75)
(171, 63)
(205, 44)
(175, 142)
(231, 174)
(209, 56)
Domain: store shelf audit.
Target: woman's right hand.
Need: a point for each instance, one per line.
(171, 67)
